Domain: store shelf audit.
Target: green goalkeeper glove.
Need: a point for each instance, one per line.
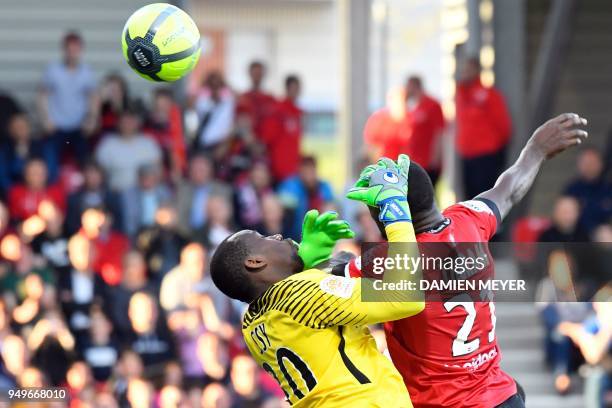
(385, 185)
(320, 233)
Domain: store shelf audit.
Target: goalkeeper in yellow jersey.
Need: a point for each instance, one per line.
(308, 329)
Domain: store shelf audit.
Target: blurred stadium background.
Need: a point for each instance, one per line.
(352, 58)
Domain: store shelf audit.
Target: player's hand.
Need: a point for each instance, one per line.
(558, 134)
(319, 236)
(402, 165)
(387, 189)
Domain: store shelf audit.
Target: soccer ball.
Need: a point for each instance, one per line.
(161, 42)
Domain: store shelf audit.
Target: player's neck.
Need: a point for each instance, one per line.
(427, 220)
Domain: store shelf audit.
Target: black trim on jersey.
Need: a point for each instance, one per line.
(437, 228)
(359, 376)
(338, 270)
(493, 208)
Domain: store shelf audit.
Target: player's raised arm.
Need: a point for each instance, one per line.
(553, 137)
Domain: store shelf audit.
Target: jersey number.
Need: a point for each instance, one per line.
(461, 345)
(301, 367)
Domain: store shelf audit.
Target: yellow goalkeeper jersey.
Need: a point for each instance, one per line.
(309, 331)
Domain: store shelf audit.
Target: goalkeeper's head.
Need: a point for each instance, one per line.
(247, 263)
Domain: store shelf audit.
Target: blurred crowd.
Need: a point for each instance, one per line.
(111, 207)
(575, 296)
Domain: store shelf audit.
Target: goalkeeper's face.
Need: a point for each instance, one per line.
(270, 258)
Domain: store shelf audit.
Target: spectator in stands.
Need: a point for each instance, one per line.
(215, 106)
(26, 313)
(8, 108)
(52, 346)
(141, 202)
(593, 337)
(21, 264)
(565, 226)
(218, 225)
(52, 243)
(187, 326)
(182, 284)
(483, 130)
(149, 336)
(114, 99)
(246, 389)
(133, 279)
(140, 393)
(4, 221)
(213, 356)
(79, 286)
(386, 132)
(557, 295)
(249, 195)
(100, 350)
(67, 101)
(129, 367)
(170, 396)
(590, 189)
(282, 132)
(79, 382)
(215, 395)
(162, 243)
(273, 216)
(303, 192)
(425, 123)
(256, 104)
(193, 194)
(110, 246)
(93, 193)
(25, 198)
(17, 149)
(122, 154)
(15, 358)
(165, 125)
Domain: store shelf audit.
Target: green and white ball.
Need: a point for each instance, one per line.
(161, 42)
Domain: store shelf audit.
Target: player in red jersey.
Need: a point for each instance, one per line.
(448, 354)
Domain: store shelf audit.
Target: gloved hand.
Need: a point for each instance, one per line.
(402, 166)
(385, 185)
(319, 236)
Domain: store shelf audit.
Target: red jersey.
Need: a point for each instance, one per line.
(282, 133)
(483, 121)
(448, 354)
(258, 106)
(108, 257)
(385, 132)
(23, 202)
(426, 122)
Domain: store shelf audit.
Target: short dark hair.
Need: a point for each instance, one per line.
(474, 60)
(291, 79)
(228, 272)
(308, 161)
(415, 79)
(163, 92)
(256, 64)
(72, 36)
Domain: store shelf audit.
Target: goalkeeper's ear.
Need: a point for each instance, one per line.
(374, 213)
